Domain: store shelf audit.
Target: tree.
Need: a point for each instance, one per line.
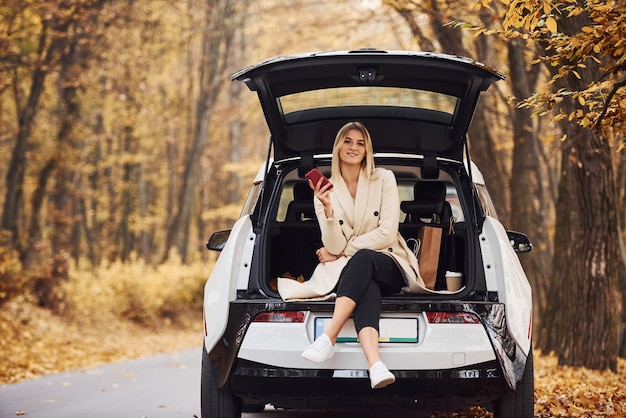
(521, 198)
(51, 29)
(530, 200)
(65, 32)
(218, 30)
(581, 45)
(439, 36)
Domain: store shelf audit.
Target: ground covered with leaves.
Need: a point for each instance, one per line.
(578, 392)
(112, 312)
(34, 342)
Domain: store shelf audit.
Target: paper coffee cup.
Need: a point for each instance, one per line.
(454, 279)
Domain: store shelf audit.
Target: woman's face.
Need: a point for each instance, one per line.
(352, 150)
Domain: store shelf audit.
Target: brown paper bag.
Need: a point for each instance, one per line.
(428, 256)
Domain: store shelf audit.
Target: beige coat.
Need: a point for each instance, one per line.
(370, 221)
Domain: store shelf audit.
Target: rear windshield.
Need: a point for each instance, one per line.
(405, 177)
(369, 96)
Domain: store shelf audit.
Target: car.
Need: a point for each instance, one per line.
(448, 349)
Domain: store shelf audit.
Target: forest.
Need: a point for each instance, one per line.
(124, 142)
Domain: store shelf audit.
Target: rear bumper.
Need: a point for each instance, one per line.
(509, 358)
(327, 389)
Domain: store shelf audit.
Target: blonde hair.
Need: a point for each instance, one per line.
(367, 164)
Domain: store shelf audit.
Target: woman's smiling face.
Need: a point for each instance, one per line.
(353, 148)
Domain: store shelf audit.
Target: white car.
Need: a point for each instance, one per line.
(447, 349)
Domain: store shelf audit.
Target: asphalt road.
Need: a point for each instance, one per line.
(166, 385)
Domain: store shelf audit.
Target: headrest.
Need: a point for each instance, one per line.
(302, 191)
(428, 199)
(429, 191)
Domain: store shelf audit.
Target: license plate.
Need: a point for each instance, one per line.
(392, 330)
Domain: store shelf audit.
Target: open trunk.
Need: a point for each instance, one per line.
(292, 234)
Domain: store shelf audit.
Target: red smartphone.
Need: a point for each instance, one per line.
(315, 175)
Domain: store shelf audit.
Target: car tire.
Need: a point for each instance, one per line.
(216, 402)
(521, 403)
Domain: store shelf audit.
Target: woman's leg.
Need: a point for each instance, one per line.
(384, 278)
(367, 312)
(344, 306)
(355, 278)
(322, 348)
(368, 337)
(359, 293)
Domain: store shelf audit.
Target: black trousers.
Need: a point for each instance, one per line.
(367, 277)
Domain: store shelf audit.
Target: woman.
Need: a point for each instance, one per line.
(359, 220)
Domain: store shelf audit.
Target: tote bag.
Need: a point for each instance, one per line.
(430, 248)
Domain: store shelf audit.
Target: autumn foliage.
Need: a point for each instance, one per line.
(116, 311)
(598, 42)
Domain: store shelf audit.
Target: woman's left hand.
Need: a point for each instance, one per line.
(324, 256)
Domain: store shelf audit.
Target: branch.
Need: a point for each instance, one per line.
(616, 86)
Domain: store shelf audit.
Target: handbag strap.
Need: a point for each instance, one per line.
(417, 243)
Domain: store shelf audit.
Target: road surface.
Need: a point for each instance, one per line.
(167, 385)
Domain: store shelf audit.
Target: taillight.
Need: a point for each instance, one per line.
(452, 318)
(281, 317)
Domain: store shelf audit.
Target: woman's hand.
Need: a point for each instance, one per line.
(323, 194)
(324, 256)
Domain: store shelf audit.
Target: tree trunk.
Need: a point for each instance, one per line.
(129, 186)
(17, 164)
(217, 38)
(619, 161)
(531, 207)
(74, 60)
(584, 315)
(37, 200)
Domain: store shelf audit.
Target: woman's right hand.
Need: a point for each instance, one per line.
(323, 194)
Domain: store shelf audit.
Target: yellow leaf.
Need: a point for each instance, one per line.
(577, 75)
(581, 100)
(575, 11)
(551, 24)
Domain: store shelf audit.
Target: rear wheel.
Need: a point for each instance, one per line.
(521, 403)
(216, 402)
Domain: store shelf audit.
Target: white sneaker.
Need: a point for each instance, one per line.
(320, 351)
(380, 376)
